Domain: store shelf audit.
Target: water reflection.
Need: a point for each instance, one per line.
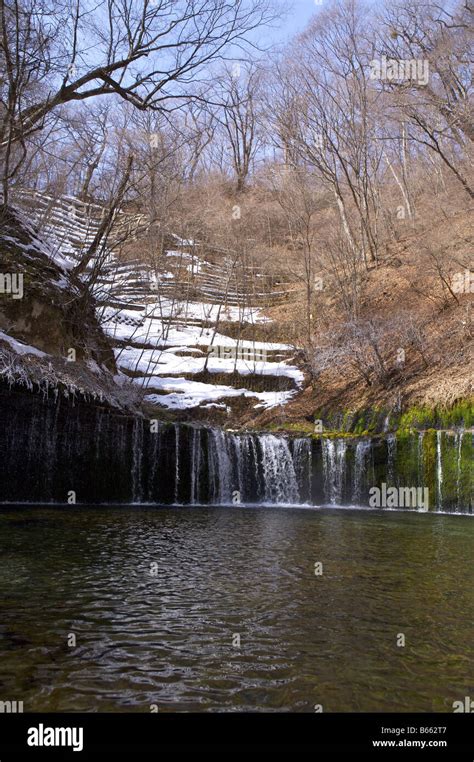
(156, 596)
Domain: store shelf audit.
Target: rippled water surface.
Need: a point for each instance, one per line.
(156, 596)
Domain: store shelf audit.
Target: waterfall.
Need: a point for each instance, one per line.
(279, 475)
(303, 464)
(220, 472)
(97, 435)
(176, 461)
(246, 460)
(253, 484)
(329, 459)
(334, 469)
(195, 465)
(252, 468)
(213, 470)
(391, 459)
(242, 456)
(360, 467)
(459, 438)
(421, 462)
(137, 455)
(154, 460)
(52, 448)
(439, 472)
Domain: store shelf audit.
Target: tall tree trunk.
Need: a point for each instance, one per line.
(106, 223)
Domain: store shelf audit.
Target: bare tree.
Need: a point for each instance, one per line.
(325, 97)
(25, 63)
(151, 53)
(239, 88)
(438, 106)
(300, 200)
(100, 239)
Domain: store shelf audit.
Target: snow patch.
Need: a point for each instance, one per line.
(20, 348)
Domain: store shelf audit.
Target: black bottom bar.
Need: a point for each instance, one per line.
(55, 736)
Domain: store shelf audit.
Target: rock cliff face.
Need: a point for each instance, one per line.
(50, 337)
(53, 312)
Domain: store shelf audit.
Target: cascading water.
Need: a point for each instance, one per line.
(176, 460)
(248, 486)
(247, 468)
(391, 459)
(421, 462)
(334, 469)
(362, 453)
(302, 455)
(278, 470)
(242, 455)
(137, 461)
(154, 459)
(49, 451)
(459, 441)
(439, 472)
(195, 465)
(221, 468)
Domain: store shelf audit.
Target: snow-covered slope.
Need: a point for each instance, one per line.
(173, 324)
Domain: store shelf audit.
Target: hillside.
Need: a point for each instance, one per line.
(422, 333)
(192, 332)
(176, 328)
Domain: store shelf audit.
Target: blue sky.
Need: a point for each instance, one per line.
(298, 14)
